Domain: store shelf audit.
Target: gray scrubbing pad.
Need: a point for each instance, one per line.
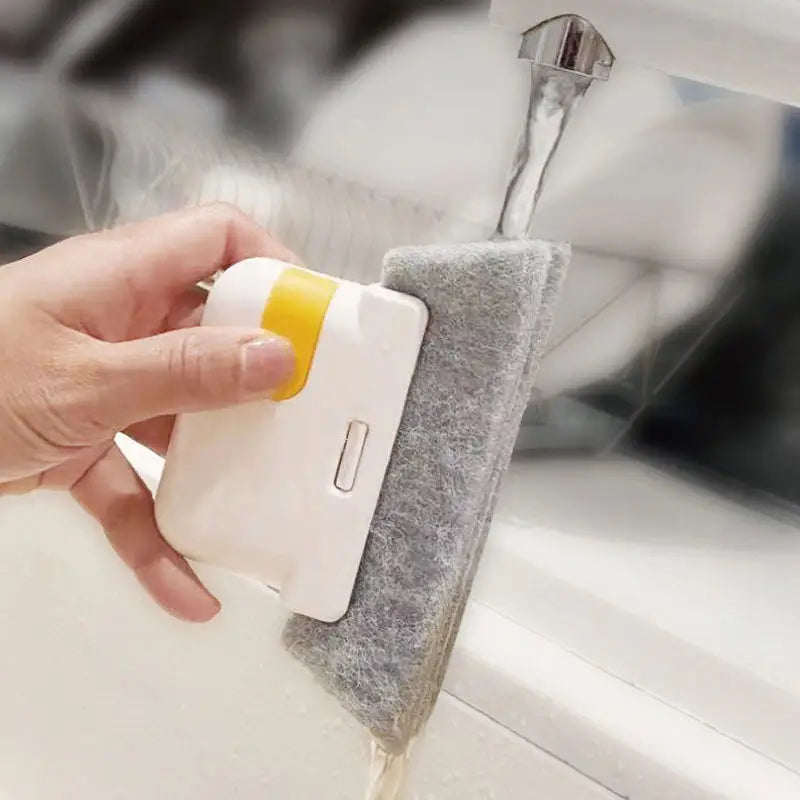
(490, 310)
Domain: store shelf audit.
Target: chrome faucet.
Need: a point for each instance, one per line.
(566, 55)
(749, 46)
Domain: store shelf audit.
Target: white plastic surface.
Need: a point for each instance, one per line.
(105, 697)
(253, 488)
(750, 46)
(141, 705)
(689, 596)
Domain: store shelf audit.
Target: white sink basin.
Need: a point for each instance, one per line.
(104, 696)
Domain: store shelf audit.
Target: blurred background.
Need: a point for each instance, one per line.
(351, 126)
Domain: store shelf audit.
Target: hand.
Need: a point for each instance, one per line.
(97, 336)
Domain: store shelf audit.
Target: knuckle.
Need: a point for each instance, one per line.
(187, 363)
(93, 406)
(69, 397)
(226, 216)
(226, 226)
(205, 370)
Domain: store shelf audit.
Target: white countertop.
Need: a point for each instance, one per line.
(690, 596)
(672, 609)
(629, 636)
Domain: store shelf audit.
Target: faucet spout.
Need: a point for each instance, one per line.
(566, 55)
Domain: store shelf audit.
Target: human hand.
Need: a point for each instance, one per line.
(98, 335)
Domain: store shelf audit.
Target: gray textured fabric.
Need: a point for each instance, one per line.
(490, 310)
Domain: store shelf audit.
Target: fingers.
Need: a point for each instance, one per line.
(186, 312)
(153, 433)
(166, 255)
(61, 476)
(128, 282)
(113, 494)
(21, 485)
(195, 369)
(176, 250)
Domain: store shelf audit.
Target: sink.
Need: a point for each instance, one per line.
(104, 696)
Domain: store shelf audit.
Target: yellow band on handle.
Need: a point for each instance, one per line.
(295, 310)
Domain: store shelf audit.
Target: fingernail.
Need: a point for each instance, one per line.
(268, 363)
(177, 589)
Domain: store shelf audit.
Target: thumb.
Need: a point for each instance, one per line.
(194, 369)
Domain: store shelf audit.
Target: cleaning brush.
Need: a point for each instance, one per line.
(490, 309)
(365, 494)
